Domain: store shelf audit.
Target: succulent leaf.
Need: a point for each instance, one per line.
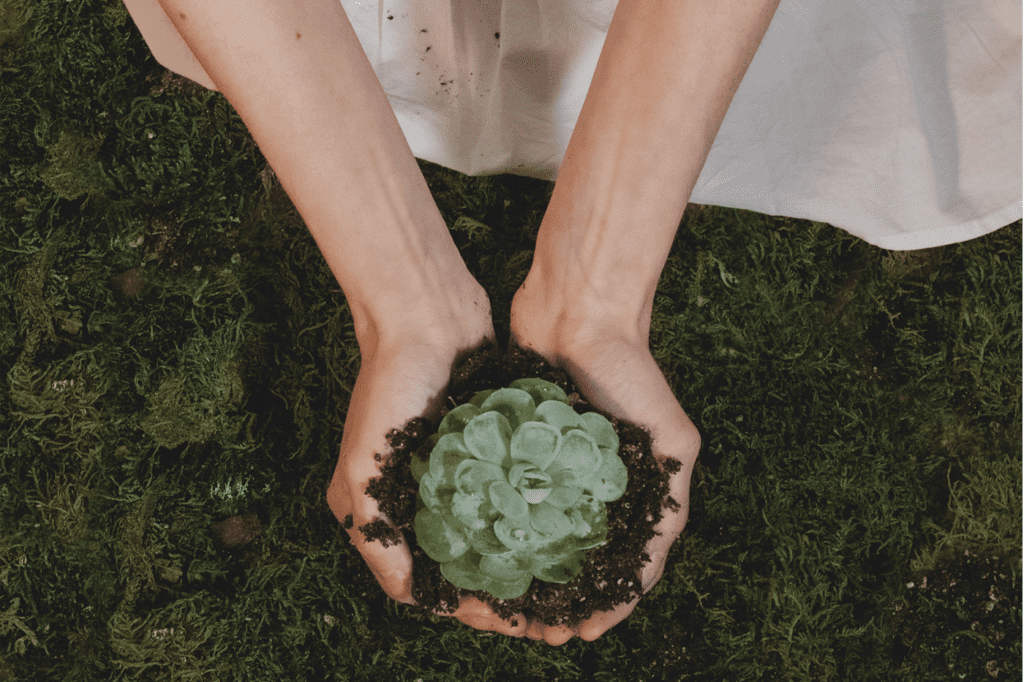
(488, 437)
(535, 495)
(515, 487)
(541, 390)
(479, 398)
(474, 477)
(506, 567)
(534, 485)
(563, 569)
(470, 510)
(516, 405)
(551, 521)
(508, 590)
(515, 535)
(601, 430)
(516, 472)
(559, 415)
(455, 421)
(508, 501)
(419, 467)
(485, 541)
(446, 456)
(566, 489)
(579, 453)
(590, 522)
(464, 572)
(439, 538)
(534, 477)
(609, 483)
(536, 443)
(593, 540)
(436, 495)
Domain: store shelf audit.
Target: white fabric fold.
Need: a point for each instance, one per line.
(898, 121)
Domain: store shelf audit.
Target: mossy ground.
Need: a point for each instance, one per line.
(177, 360)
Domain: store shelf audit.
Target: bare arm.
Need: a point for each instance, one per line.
(164, 41)
(666, 76)
(297, 75)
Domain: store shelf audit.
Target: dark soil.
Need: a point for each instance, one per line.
(611, 572)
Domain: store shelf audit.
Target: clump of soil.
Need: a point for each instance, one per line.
(611, 572)
(236, 531)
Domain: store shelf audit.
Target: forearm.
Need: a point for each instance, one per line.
(665, 78)
(300, 81)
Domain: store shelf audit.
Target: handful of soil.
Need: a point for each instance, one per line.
(611, 572)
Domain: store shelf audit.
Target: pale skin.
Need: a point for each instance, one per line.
(666, 76)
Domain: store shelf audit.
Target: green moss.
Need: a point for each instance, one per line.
(175, 352)
(72, 167)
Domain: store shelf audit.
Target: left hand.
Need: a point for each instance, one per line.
(619, 375)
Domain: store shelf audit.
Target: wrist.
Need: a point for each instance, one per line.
(554, 308)
(599, 272)
(453, 313)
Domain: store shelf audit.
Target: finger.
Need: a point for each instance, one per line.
(479, 615)
(554, 635)
(679, 489)
(651, 574)
(391, 565)
(602, 622)
(558, 635)
(671, 525)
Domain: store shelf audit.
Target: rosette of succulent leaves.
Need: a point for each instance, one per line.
(516, 488)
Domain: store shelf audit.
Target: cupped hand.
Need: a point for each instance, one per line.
(398, 381)
(618, 374)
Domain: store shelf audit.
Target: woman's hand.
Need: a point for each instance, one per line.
(615, 372)
(399, 379)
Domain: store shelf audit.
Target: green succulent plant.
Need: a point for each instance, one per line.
(516, 488)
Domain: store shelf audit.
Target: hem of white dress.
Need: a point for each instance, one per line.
(955, 234)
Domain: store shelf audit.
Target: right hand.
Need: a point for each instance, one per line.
(609, 361)
(397, 381)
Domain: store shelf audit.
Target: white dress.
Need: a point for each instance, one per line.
(898, 121)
